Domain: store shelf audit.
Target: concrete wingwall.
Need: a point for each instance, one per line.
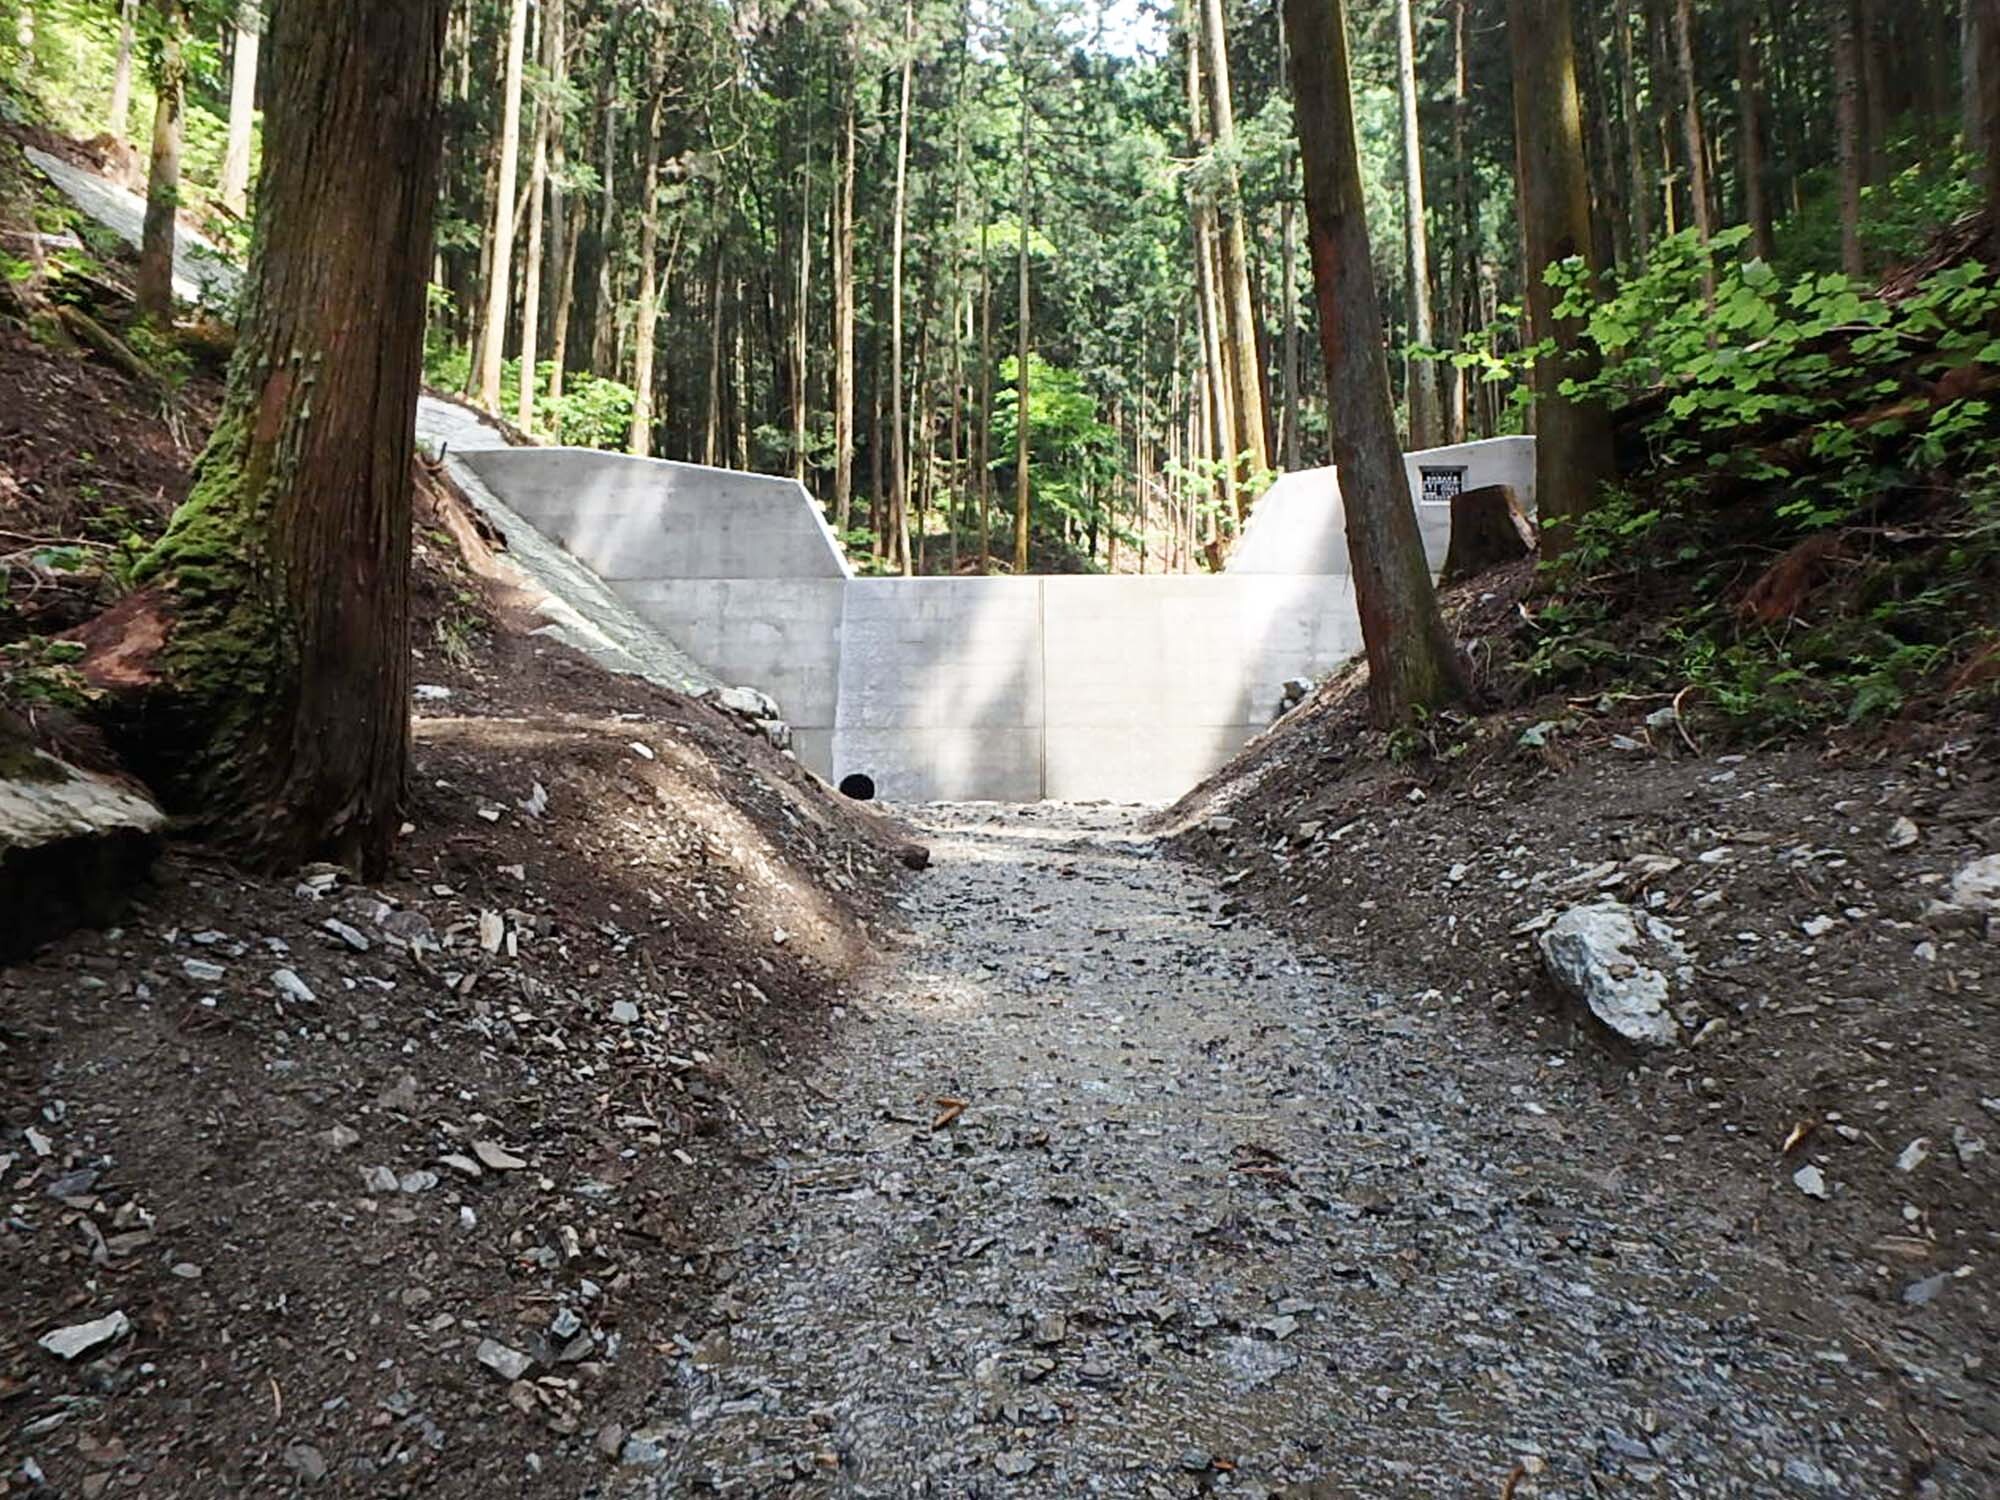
(1080, 687)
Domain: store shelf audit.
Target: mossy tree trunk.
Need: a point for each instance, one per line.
(286, 573)
(1412, 663)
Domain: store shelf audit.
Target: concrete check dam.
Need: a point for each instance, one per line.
(1126, 688)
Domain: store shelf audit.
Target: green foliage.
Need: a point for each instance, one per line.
(1073, 453)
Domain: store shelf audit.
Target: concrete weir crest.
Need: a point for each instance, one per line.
(1126, 688)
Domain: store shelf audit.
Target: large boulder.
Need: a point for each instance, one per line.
(72, 842)
(1626, 966)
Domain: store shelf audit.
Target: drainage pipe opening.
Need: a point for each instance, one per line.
(858, 786)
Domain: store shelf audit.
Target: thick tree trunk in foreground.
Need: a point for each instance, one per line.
(235, 187)
(287, 571)
(1573, 456)
(154, 284)
(1411, 660)
(500, 277)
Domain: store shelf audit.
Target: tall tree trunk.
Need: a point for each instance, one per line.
(531, 273)
(1412, 663)
(1847, 116)
(843, 320)
(1635, 149)
(566, 208)
(500, 277)
(1874, 41)
(1215, 401)
(154, 284)
(603, 355)
(235, 185)
(1424, 421)
(1288, 254)
(1573, 457)
(899, 478)
(1696, 143)
(118, 117)
(1986, 37)
(287, 570)
(802, 304)
(985, 441)
(1022, 422)
(1465, 253)
(1750, 137)
(647, 315)
(1246, 376)
(711, 442)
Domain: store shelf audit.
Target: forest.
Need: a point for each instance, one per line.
(849, 242)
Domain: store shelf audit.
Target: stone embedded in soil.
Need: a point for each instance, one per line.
(1600, 954)
(1811, 1181)
(79, 1339)
(290, 987)
(508, 1363)
(497, 1158)
(1013, 1464)
(1976, 887)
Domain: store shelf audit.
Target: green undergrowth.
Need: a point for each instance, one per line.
(1808, 532)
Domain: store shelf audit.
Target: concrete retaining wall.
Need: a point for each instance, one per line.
(1011, 689)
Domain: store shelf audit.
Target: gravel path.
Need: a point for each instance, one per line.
(1211, 1220)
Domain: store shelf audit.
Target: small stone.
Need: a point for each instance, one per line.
(290, 987)
(1968, 1147)
(492, 931)
(1811, 1181)
(1919, 1293)
(401, 1096)
(419, 1181)
(565, 1324)
(1977, 886)
(611, 1436)
(467, 1219)
(1012, 1463)
(1914, 1155)
(497, 1158)
(509, 1364)
(642, 750)
(306, 1461)
(1197, 1460)
(1050, 1329)
(1818, 926)
(345, 933)
(465, 1166)
(79, 1339)
(187, 1270)
(644, 1449)
(201, 971)
(379, 1179)
(340, 1138)
(431, 692)
(1903, 834)
(624, 1012)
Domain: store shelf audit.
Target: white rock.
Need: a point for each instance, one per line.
(1914, 1155)
(497, 1158)
(1977, 886)
(1618, 962)
(1811, 1181)
(81, 1338)
(290, 987)
(624, 1012)
(379, 1179)
(1968, 1146)
(509, 1364)
(1902, 834)
(1818, 926)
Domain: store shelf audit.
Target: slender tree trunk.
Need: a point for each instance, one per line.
(118, 118)
(1573, 456)
(985, 394)
(1289, 239)
(287, 571)
(1972, 97)
(154, 283)
(1465, 253)
(1635, 150)
(566, 206)
(1424, 422)
(1750, 144)
(647, 319)
(1986, 36)
(1847, 115)
(1696, 143)
(1614, 245)
(1022, 421)
(899, 478)
(1412, 663)
(711, 443)
(500, 278)
(531, 273)
(843, 321)
(235, 184)
(1209, 305)
(801, 339)
(1246, 377)
(603, 354)
(1874, 42)
(565, 304)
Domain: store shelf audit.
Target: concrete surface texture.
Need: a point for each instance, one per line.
(1009, 689)
(1299, 525)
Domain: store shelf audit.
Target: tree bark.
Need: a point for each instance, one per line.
(235, 186)
(154, 283)
(647, 319)
(118, 117)
(531, 273)
(899, 478)
(843, 321)
(1986, 36)
(1695, 143)
(1412, 663)
(1021, 417)
(985, 439)
(1847, 117)
(1246, 375)
(1635, 150)
(1750, 142)
(1573, 454)
(802, 304)
(287, 571)
(1288, 255)
(1424, 406)
(500, 276)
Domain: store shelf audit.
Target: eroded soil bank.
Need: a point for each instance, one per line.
(1108, 1189)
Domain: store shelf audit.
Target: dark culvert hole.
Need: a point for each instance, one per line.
(861, 788)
